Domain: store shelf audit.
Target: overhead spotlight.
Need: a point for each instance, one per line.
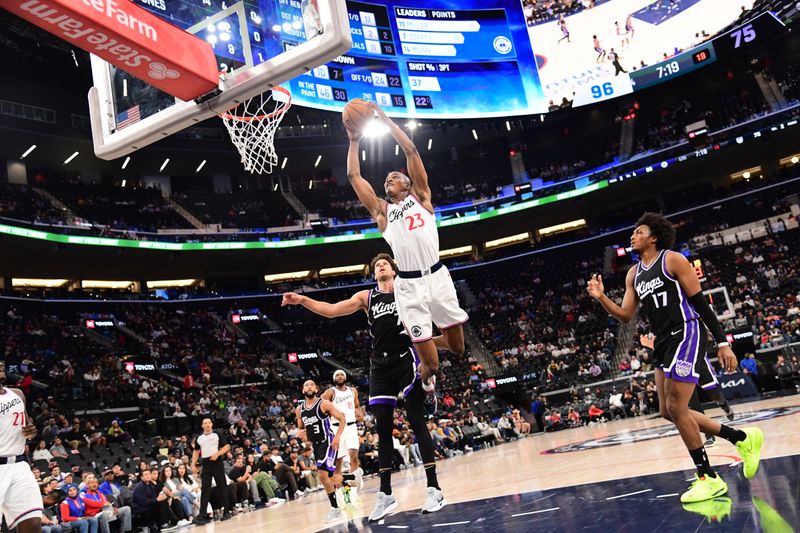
(412, 125)
(375, 128)
(164, 165)
(125, 87)
(430, 143)
(283, 165)
(508, 125)
(474, 134)
(275, 187)
(794, 160)
(746, 175)
(319, 158)
(310, 184)
(125, 163)
(396, 150)
(363, 155)
(70, 158)
(28, 151)
(124, 182)
(200, 166)
(276, 28)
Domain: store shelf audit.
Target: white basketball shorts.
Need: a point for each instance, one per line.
(20, 498)
(428, 300)
(348, 441)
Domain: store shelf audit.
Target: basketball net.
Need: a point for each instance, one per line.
(252, 125)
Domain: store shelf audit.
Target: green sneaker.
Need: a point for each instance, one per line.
(714, 510)
(750, 450)
(704, 488)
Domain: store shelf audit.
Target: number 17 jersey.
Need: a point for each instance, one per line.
(411, 233)
(663, 301)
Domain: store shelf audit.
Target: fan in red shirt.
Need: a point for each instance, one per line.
(98, 505)
(595, 413)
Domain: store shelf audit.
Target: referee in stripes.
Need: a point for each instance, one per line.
(210, 447)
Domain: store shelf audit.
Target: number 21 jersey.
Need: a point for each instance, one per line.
(12, 420)
(664, 303)
(411, 232)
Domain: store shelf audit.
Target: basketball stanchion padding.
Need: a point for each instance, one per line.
(252, 125)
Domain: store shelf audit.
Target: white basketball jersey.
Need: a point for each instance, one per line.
(344, 401)
(12, 420)
(412, 234)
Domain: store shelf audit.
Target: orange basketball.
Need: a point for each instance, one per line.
(356, 113)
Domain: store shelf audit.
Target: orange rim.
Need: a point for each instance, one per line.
(281, 110)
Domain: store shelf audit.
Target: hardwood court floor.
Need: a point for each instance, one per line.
(614, 463)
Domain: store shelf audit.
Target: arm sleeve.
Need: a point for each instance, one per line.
(65, 516)
(708, 317)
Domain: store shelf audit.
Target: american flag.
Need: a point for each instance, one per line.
(128, 117)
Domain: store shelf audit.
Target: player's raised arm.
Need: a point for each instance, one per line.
(629, 302)
(357, 302)
(364, 191)
(416, 169)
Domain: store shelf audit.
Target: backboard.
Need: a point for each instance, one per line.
(258, 44)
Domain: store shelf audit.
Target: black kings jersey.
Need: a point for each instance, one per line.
(663, 301)
(388, 335)
(317, 423)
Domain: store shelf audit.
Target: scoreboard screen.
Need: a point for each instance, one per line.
(462, 58)
(431, 58)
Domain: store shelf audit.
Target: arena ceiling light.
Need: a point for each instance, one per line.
(412, 125)
(565, 226)
(316, 163)
(105, 284)
(746, 174)
(508, 125)
(396, 150)
(375, 128)
(506, 241)
(200, 166)
(171, 283)
(350, 269)
(787, 161)
(164, 165)
(70, 158)
(125, 164)
(285, 160)
(474, 134)
(37, 282)
(455, 252)
(286, 276)
(363, 155)
(430, 143)
(28, 151)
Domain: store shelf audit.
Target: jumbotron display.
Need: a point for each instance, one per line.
(474, 58)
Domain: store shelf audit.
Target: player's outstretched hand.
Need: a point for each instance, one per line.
(727, 359)
(378, 111)
(29, 431)
(353, 135)
(647, 341)
(290, 298)
(335, 443)
(595, 286)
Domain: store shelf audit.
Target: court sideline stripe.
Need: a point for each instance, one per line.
(451, 524)
(535, 512)
(629, 494)
(667, 495)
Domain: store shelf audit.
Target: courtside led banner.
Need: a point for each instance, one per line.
(130, 38)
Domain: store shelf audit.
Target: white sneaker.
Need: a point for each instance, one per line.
(274, 502)
(184, 523)
(434, 500)
(359, 474)
(334, 515)
(299, 494)
(384, 504)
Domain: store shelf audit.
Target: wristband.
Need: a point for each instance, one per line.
(723, 344)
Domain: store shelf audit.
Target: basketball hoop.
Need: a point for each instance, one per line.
(252, 125)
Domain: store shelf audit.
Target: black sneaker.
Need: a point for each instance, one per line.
(226, 516)
(201, 521)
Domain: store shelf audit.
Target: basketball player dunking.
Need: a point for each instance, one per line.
(345, 399)
(601, 52)
(662, 282)
(424, 290)
(314, 422)
(393, 370)
(20, 499)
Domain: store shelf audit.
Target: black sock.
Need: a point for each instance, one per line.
(730, 434)
(348, 477)
(430, 472)
(386, 481)
(332, 498)
(700, 459)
